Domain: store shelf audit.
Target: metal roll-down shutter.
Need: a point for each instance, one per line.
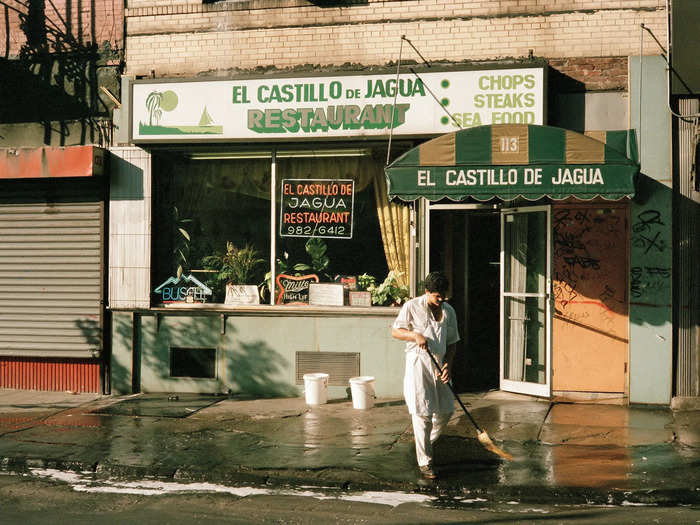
(51, 285)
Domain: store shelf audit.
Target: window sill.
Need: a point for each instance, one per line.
(265, 310)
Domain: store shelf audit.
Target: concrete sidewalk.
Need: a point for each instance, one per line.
(562, 452)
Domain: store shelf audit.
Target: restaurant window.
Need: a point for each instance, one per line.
(212, 228)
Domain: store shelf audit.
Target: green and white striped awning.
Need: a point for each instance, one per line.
(508, 161)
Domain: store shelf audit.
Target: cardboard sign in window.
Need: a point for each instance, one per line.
(360, 299)
(326, 294)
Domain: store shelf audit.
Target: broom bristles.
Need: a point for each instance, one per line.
(489, 445)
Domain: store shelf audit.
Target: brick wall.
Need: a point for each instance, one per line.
(55, 56)
(592, 73)
(60, 23)
(176, 38)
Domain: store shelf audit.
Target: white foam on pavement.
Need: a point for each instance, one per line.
(387, 498)
(85, 483)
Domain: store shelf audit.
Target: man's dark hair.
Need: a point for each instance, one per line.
(436, 282)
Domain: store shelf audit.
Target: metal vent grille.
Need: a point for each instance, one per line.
(340, 366)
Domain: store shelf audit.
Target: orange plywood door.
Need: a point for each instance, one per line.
(591, 324)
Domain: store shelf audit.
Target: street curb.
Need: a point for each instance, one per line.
(311, 480)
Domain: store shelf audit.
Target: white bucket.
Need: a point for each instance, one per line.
(362, 389)
(316, 388)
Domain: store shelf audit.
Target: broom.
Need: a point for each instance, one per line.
(481, 435)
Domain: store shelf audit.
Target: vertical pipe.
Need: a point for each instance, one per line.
(273, 223)
(412, 250)
(393, 108)
(641, 48)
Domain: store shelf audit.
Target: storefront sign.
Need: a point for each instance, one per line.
(512, 181)
(337, 106)
(317, 208)
(293, 289)
(508, 161)
(183, 289)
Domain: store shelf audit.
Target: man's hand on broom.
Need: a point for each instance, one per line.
(420, 340)
(443, 374)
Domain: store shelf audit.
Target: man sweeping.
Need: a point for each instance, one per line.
(428, 323)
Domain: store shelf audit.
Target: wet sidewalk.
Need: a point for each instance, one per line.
(573, 453)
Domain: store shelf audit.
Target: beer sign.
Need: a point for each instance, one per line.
(294, 289)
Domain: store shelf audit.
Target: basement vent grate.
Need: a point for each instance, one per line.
(340, 366)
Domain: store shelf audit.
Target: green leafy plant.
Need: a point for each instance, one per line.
(316, 248)
(236, 266)
(389, 292)
(364, 281)
(181, 247)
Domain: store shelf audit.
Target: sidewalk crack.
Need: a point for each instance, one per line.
(544, 420)
(393, 443)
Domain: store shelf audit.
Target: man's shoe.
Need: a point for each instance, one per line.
(427, 472)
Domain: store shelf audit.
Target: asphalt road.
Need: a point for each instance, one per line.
(33, 500)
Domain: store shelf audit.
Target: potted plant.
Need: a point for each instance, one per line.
(236, 270)
(316, 249)
(388, 293)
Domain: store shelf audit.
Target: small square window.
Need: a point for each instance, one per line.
(193, 362)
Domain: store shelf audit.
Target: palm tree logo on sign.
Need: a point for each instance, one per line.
(158, 102)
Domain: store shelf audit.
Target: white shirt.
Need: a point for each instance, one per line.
(425, 394)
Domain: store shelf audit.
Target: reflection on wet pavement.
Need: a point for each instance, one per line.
(165, 405)
(553, 446)
(589, 466)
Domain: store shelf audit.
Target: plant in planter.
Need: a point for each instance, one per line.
(234, 271)
(364, 281)
(388, 293)
(316, 249)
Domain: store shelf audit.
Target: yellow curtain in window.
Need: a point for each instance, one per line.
(394, 222)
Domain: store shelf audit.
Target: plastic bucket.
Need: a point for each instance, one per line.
(362, 389)
(316, 388)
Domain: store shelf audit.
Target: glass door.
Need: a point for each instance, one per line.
(525, 363)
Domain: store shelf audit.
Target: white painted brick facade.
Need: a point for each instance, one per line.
(185, 38)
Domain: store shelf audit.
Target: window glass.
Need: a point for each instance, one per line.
(327, 221)
(212, 229)
(206, 210)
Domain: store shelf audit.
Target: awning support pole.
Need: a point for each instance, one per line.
(393, 108)
(412, 255)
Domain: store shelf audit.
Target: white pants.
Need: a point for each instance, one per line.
(426, 430)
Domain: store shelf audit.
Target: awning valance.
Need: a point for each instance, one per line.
(507, 161)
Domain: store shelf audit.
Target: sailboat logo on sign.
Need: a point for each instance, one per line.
(160, 102)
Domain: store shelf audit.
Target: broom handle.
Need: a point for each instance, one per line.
(432, 357)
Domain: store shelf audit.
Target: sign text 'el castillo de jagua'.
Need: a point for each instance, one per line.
(317, 208)
(353, 105)
(509, 181)
(519, 176)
